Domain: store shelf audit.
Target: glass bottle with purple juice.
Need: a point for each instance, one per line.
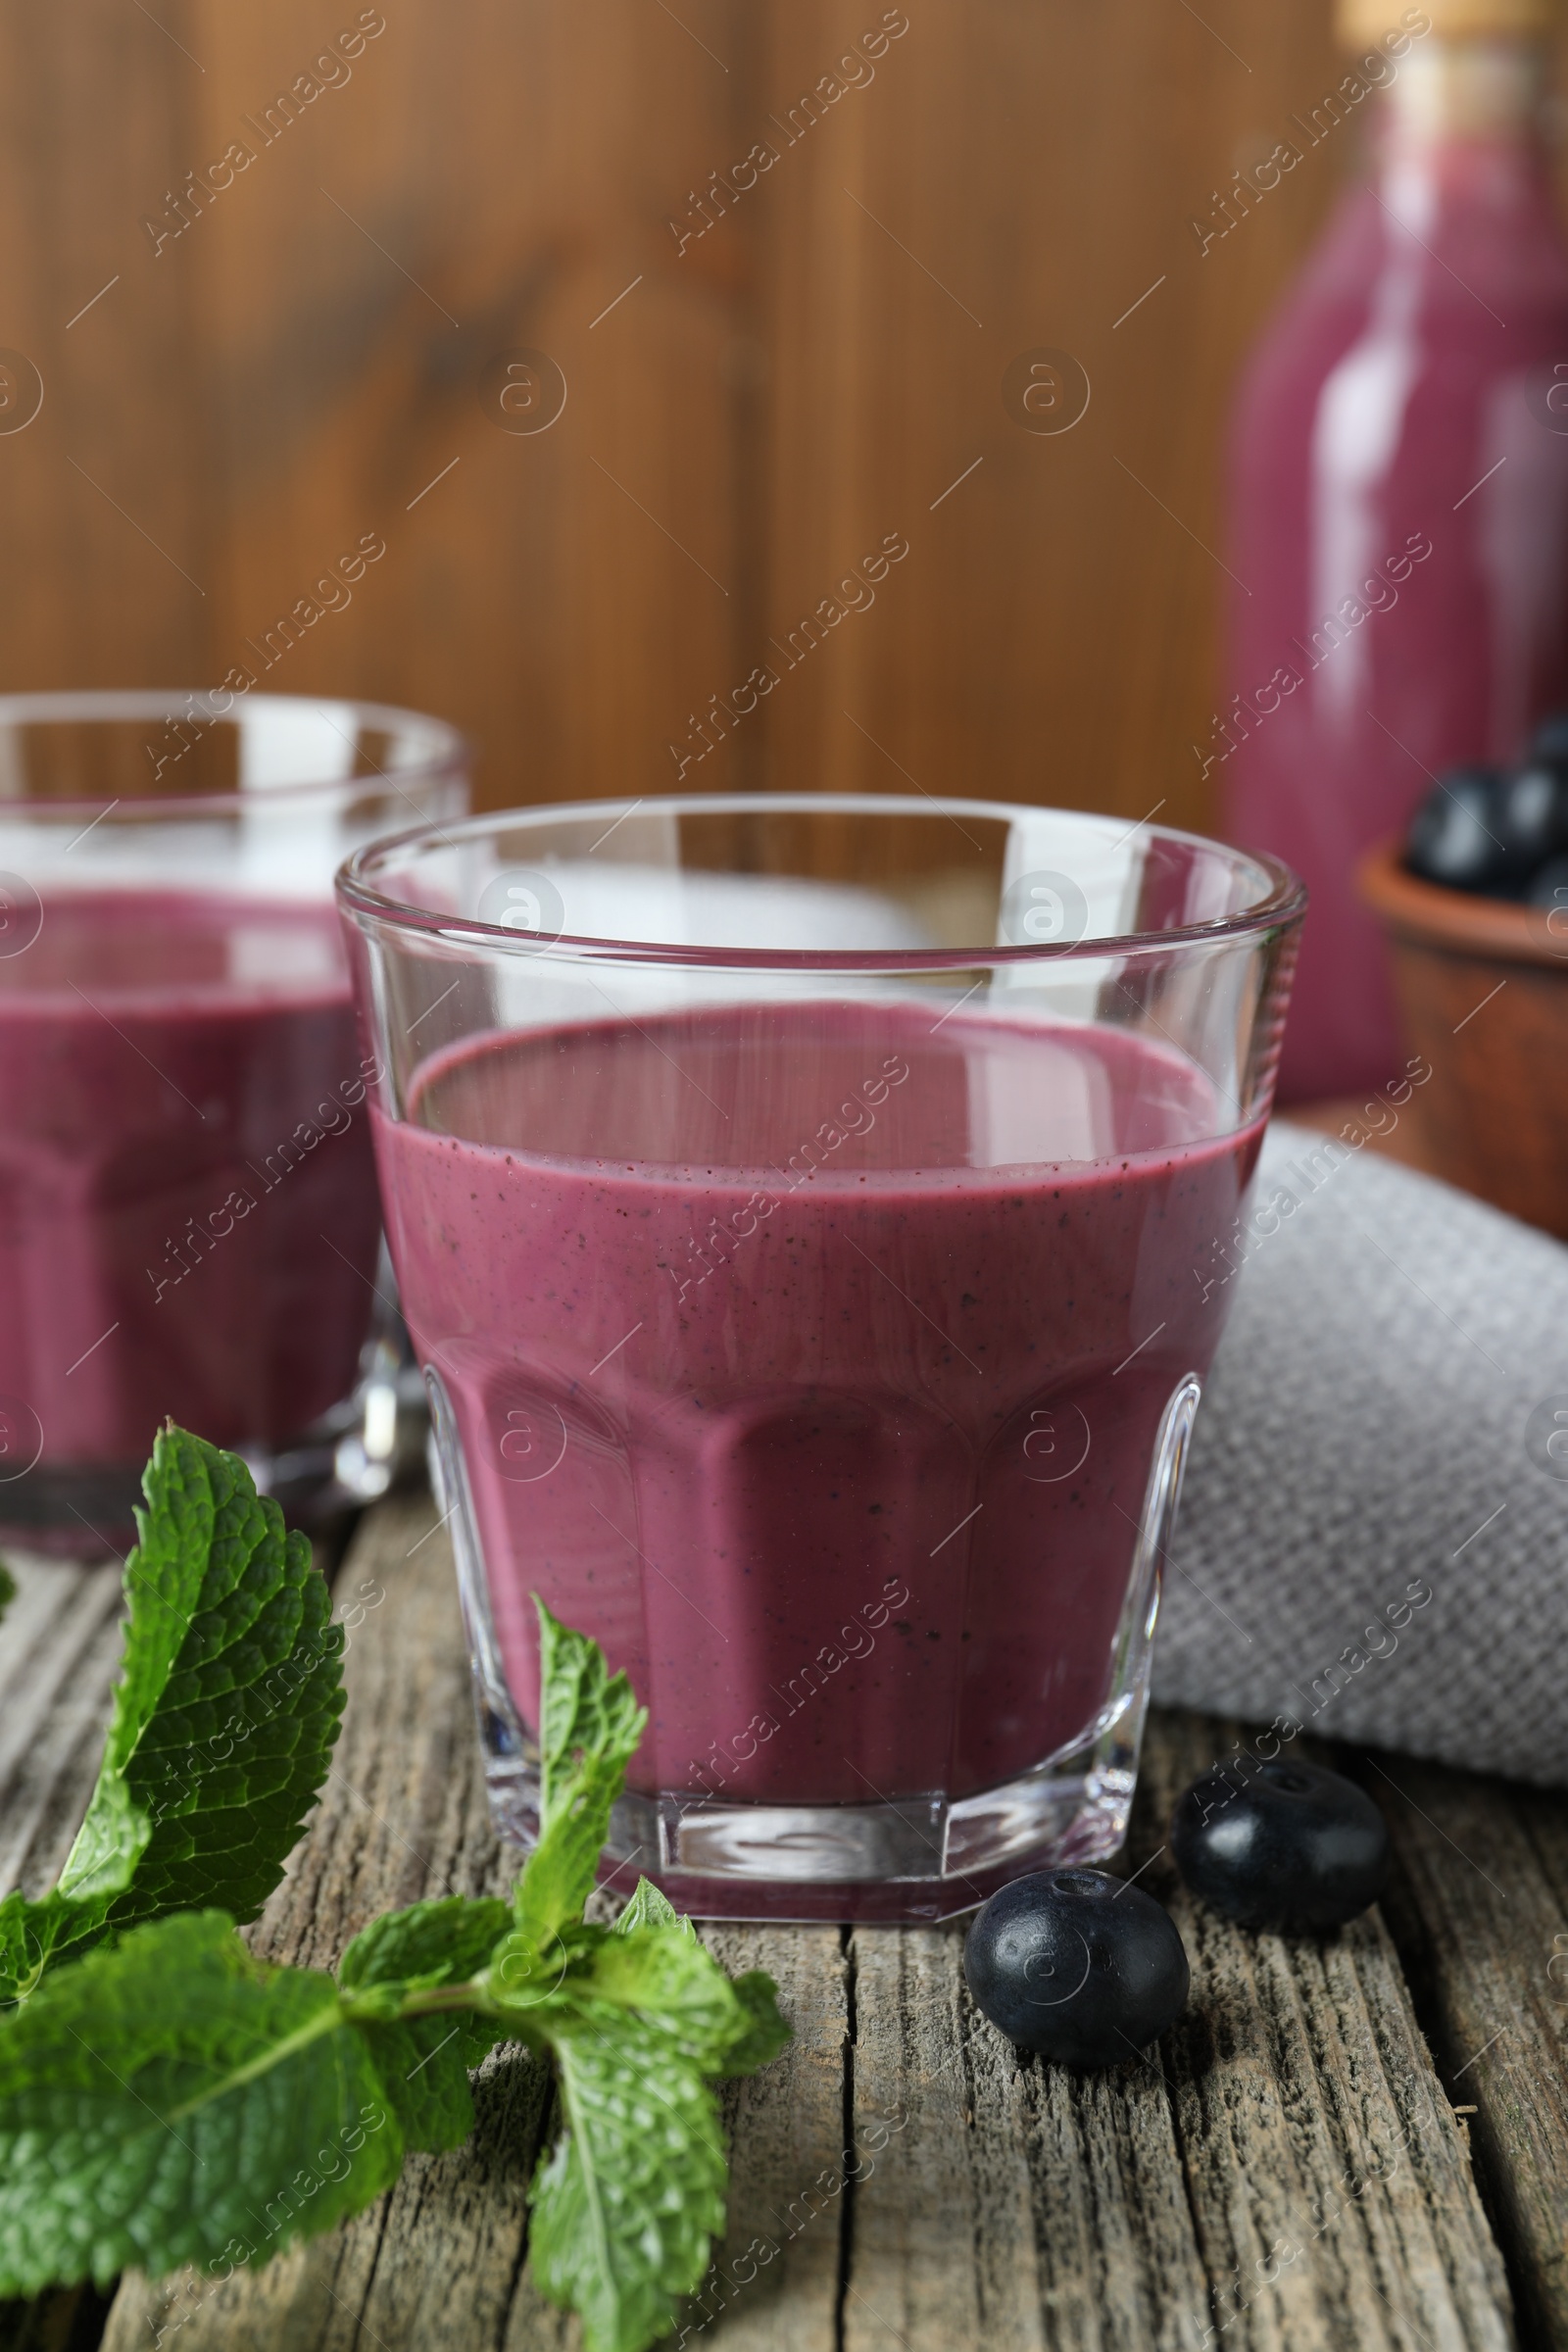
(1398, 488)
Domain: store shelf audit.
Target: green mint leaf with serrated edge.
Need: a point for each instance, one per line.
(639, 2017)
(652, 1961)
(672, 1980)
(224, 1717)
(584, 1712)
(225, 1720)
(625, 2206)
(588, 1727)
(760, 2034)
(649, 1909)
(171, 2099)
(425, 2060)
(8, 1588)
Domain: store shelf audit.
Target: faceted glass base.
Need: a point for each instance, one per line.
(916, 1857)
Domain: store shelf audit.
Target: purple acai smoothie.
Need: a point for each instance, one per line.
(189, 1220)
(811, 1357)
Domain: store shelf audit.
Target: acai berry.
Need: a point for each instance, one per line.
(1483, 830)
(1085, 1967)
(1551, 740)
(1281, 1844)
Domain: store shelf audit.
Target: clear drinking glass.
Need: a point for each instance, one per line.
(188, 1216)
(806, 1212)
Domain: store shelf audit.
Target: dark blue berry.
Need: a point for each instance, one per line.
(1481, 830)
(1551, 740)
(1080, 1966)
(1281, 1844)
(1534, 818)
(1453, 836)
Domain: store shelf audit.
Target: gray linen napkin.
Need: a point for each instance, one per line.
(1374, 1535)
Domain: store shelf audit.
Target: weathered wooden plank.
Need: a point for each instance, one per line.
(480, 186)
(900, 2169)
(72, 2319)
(1117, 2256)
(107, 489)
(1051, 634)
(1297, 2071)
(59, 1654)
(940, 2236)
(1022, 2207)
(1480, 1909)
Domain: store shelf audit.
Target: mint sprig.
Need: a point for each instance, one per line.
(625, 2208)
(224, 1718)
(167, 2098)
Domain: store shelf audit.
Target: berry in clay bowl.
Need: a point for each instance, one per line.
(1474, 901)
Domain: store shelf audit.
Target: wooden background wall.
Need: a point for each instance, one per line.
(316, 357)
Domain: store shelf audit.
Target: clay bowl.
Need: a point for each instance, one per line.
(1494, 1111)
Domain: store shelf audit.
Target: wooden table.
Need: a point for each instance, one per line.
(1356, 2143)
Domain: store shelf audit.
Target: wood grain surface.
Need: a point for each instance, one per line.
(1481, 1909)
(1285, 2169)
(770, 366)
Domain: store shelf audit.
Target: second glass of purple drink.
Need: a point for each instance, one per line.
(188, 1216)
(810, 1213)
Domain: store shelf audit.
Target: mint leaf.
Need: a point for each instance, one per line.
(728, 2026)
(625, 2207)
(227, 1710)
(638, 2017)
(588, 1727)
(440, 1943)
(29, 1932)
(648, 1908)
(761, 2033)
(527, 1971)
(102, 1864)
(582, 1711)
(425, 2061)
(674, 1982)
(171, 2099)
(8, 1588)
(225, 1716)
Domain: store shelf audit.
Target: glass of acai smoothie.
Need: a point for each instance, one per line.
(188, 1215)
(805, 1211)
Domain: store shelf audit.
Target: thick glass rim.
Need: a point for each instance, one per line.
(450, 755)
(1284, 900)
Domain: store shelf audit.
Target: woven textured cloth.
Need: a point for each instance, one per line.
(1373, 1538)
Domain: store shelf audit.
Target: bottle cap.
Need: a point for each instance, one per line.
(1361, 24)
